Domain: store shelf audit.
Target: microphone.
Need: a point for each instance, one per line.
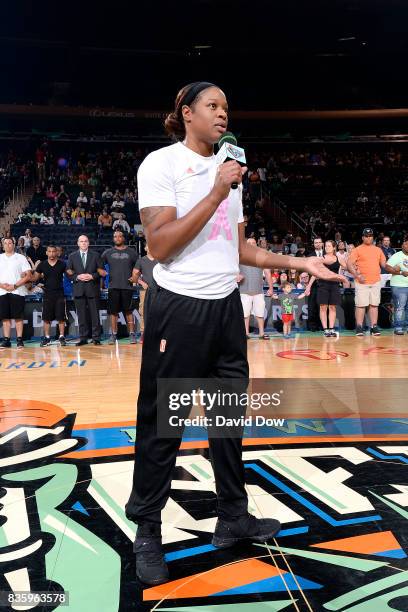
(228, 150)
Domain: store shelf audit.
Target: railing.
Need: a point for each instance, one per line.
(294, 223)
(18, 192)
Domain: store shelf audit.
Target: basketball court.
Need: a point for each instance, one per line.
(336, 481)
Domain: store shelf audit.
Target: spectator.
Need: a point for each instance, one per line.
(341, 249)
(20, 248)
(301, 250)
(388, 251)
(107, 197)
(105, 221)
(313, 321)
(64, 219)
(121, 223)
(36, 252)
(144, 270)
(286, 298)
(364, 263)
(62, 198)
(27, 237)
(14, 274)
(117, 205)
(295, 245)
(94, 202)
(263, 243)
(78, 216)
(328, 294)
(252, 297)
(85, 266)
(291, 274)
(303, 281)
(123, 273)
(397, 266)
(275, 276)
(82, 200)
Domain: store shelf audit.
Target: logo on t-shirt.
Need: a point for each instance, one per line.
(221, 222)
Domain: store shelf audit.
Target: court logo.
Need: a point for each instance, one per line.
(384, 350)
(306, 354)
(64, 527)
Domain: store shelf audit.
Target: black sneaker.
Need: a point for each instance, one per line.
(246, 527)
(150, 565)
(327, 333)
(359, 330)
(6, 343)
(375, 331)
(62, 341)
(20, 343)
(45, 341)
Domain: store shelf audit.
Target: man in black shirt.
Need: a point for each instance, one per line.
(36, 252)
(313, 318)
(51, 272)
(121, 260)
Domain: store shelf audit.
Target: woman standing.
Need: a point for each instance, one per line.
(328, 293)
(194, 225)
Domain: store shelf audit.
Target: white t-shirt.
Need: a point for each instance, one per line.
(11, 268)
(207, 267)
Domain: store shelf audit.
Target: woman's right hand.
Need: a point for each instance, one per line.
(228, 173)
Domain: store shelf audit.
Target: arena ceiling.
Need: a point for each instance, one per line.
(266, 54)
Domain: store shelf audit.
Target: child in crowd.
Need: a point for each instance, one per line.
(286, 299)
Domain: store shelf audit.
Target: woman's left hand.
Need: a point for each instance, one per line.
(315, 266)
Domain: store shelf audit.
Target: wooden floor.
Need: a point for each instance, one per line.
(100, 384)
(336, 479)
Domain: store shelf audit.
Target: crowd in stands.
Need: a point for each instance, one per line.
(333, 191)
(330, 190)
(13, 172)
(93, 188)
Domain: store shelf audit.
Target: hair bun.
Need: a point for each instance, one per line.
(174, 127)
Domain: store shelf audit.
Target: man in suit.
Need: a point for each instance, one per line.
(313, 319)
(84, 268)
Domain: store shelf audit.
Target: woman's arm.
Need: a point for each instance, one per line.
(250, 255)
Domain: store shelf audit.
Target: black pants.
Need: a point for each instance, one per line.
(313, 309)
(81, 304)
(204, 338)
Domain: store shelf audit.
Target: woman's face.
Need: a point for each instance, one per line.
(283, 277)
(208, 115)
(329, 248)
(341, 246)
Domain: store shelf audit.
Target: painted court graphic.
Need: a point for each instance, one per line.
(338, 490)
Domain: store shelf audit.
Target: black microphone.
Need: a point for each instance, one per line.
(228, 150)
